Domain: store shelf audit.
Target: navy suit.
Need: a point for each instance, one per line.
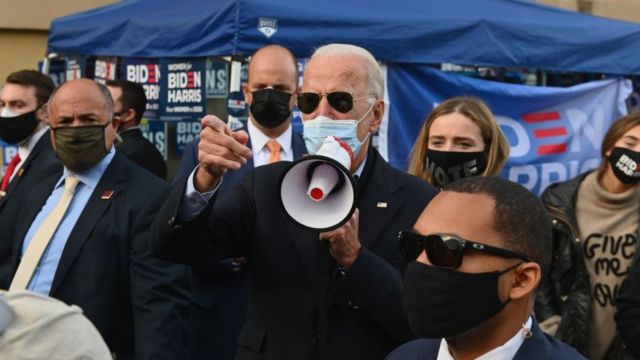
(220, 296)
(138, 304)
(366, 318)
(40, 164)
(540, 346)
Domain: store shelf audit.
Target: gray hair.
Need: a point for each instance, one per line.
(106, 94)
(372, 68)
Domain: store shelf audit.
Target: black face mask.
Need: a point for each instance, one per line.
(80, 147)
(441, 303)
(448, 166)
(624, 163)
(270, 107)
(15, 129)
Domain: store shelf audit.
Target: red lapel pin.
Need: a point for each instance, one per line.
(106, 195)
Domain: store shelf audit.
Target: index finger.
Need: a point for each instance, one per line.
(215, 123)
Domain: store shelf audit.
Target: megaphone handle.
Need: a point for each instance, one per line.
(326, 265)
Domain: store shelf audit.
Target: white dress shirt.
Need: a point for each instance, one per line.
(259, 145)
(505, 352)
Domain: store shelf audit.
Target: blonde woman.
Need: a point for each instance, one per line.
(459, 139)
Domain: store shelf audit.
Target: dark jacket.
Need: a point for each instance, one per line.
(540, 346)
(40, 164)
(142, 152)
(366, 318)
(138, 303)
(566, 290)
(219, 300)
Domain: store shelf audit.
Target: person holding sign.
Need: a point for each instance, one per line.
(219, 299)
(595, 220)
(342, 95)
(459, 139)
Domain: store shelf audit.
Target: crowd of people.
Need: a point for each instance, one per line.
(444, 261)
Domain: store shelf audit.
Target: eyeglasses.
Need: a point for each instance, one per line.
(445, 251)
(342, 101)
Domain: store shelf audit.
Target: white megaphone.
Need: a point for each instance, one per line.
(317, 192)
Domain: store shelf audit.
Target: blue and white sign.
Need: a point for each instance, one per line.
(186, 132)
(555, 133)
(75, 68)
(146, 72)
(105, 69)
(156, 132)
(217, 79)
(183, 89)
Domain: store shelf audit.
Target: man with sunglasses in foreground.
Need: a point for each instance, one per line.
(342, 96)
(480, 248)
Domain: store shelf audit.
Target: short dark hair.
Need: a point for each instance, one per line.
(519, 216)
(42, 83)
(133, 96)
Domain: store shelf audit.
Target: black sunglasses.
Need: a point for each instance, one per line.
(445, 251)
(342, 101)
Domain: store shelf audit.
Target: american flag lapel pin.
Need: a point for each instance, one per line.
(20, 172)
(382, 204)
(106, 195)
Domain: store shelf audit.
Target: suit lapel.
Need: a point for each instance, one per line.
(378, 199)
(113, 180)
(22, 171)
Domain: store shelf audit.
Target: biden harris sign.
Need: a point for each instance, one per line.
(555, 133)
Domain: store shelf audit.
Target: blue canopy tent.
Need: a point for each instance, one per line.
(507, 33)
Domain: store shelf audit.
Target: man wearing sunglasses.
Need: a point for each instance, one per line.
(342, 96)
(477, 254)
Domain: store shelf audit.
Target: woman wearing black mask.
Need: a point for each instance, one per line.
(595, 220)
(459, 139)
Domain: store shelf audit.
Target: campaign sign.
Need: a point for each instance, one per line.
(183, 89)
(156, 132)
(555, 133)
(217, 79)
(146, 72)
(105, 69)
(57, 70)
(7, 152)
(75, 67)
(186, 132)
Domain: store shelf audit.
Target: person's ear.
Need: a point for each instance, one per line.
(247, 93)
(378, 113)
(525, 280)
(43, 113)
(115, 122)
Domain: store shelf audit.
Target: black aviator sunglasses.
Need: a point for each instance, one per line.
(342, 101)
(445, 251)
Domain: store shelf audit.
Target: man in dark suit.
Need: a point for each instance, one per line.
(86, 234)
(480, 249)
(363, 310)
(24, 121)
(130, 102)
(220, 297)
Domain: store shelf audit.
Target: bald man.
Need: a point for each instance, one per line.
(93, 222)
(220, 296)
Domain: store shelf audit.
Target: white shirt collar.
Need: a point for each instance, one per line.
(27, 146)
(505, 352)
(259, 139)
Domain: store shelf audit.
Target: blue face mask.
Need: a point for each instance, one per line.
(318, 129)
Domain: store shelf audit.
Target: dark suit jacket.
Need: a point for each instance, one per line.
(366, 316)
(540, 346)
(139, 150)
(137, 303)
(40, 164)
(219, 299)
